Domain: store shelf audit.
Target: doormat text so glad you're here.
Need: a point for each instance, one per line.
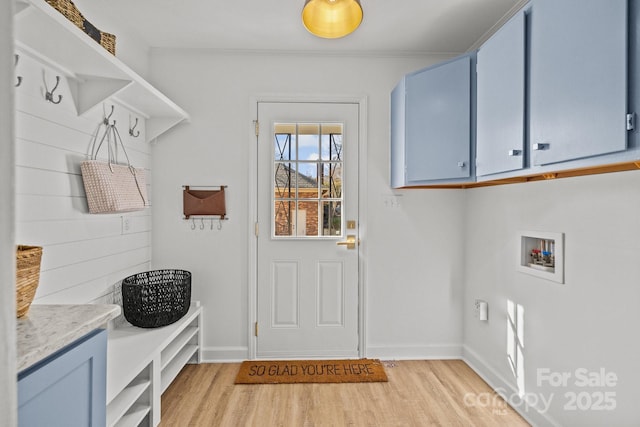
(311, 371)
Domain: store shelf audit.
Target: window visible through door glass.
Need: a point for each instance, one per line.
(307, 180)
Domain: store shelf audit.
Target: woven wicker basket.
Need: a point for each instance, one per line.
(156, 298)
(27, 276)
(108, 41)
(71, 12)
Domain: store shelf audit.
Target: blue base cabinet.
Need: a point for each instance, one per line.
(68, 389)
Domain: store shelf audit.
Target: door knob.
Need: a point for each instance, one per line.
(350, 243)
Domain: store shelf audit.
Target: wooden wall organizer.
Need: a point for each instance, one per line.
(202, 201)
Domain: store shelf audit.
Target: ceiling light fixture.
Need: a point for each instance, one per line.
(331, 19)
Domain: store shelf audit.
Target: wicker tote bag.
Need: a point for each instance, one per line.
(110, 186)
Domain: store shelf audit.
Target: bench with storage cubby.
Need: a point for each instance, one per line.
(142, 363)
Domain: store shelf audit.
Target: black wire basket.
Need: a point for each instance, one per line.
(156, 298)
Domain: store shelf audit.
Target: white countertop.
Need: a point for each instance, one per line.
(46, 329)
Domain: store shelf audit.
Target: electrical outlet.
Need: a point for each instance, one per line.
(126, 225)
(481, 310)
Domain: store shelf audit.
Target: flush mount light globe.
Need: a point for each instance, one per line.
(331, 19)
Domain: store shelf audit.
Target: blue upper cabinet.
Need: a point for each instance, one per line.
(501, 104)
(431, 125)
(549, 93)
(578, 86)
(398, 96)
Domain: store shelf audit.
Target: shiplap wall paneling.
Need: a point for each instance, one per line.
(8, 371)
(84, 255)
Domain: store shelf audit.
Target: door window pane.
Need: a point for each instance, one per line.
(296, 219)
(331, 218)
(307, 184)
(331, 180)
(285, 146)
(308, 142)
(284, 180)
(331, 142)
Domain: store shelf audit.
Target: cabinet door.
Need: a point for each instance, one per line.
(578, 78)
(438, 129)
(398, 96)
(68, 389)
(501, 100)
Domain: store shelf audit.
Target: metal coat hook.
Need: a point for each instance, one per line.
(193, 223)
(132, 129)
(219, 224)
(16, 64)
(106, 118)
(201, 223)
(49, 95)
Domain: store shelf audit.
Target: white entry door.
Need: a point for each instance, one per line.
(307, 274)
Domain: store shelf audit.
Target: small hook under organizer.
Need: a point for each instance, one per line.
(201, 224)
(49, 94)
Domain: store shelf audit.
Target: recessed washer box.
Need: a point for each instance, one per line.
(542, 255)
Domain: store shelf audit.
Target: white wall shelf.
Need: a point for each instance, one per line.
(541, 254)
(42, 32)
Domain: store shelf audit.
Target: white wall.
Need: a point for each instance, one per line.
(8, 399)
(412, 257)
(84, 255)
(590, 321)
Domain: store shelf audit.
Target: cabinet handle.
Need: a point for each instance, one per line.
(540, 147)
(461, 164)
(631, 117)
(514, 153)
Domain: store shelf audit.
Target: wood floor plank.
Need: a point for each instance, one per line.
(419, 393)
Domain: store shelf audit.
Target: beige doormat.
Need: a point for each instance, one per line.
(311, 371)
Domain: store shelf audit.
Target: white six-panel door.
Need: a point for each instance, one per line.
(307, 296)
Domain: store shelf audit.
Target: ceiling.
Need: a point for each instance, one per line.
(389, 26)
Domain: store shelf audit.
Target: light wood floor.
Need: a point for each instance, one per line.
(419, 393)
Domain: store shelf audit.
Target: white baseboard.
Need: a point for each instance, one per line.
(440, 351)
(444, 351)
(505, 389)
(224, 354)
